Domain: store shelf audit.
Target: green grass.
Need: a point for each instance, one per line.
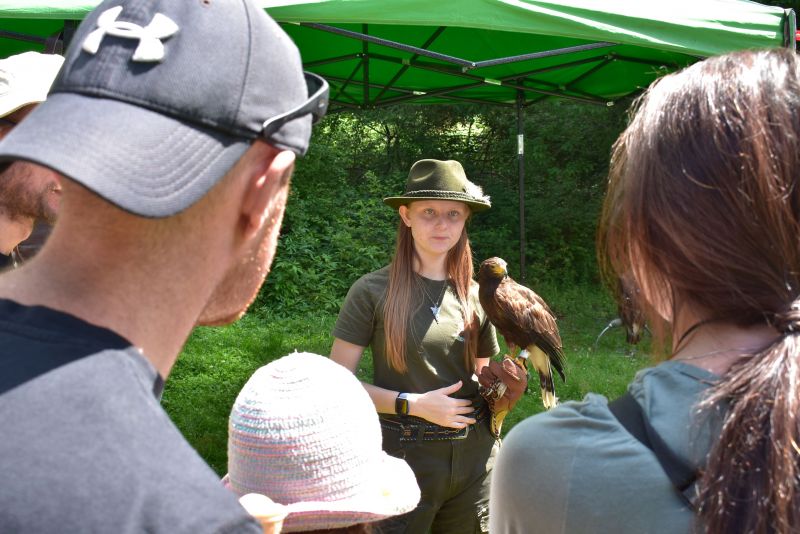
(216, 362)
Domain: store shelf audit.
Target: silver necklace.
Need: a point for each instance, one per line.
(437, 304)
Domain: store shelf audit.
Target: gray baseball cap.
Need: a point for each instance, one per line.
(158, 99)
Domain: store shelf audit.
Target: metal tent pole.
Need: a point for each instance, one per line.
(365, 63)
(521, 170)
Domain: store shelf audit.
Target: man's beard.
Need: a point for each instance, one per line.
(231, 299)
(241, 284)
(23, 196)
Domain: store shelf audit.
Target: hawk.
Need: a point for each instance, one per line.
(525, 322)
(630, 314)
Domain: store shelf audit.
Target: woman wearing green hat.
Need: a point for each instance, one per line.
(421, 317)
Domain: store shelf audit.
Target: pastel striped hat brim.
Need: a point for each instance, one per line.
(378, 500)
(304, 432)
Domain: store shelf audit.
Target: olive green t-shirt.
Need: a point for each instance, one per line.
(434, 350)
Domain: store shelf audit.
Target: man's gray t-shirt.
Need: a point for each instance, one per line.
(577, 469)
(86, 446)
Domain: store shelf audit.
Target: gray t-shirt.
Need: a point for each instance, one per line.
(434, 350)
(575, 469)
(86, 446)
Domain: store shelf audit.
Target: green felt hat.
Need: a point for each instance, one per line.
(431, 179)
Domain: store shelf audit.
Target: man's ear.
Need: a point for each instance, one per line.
(269, 176)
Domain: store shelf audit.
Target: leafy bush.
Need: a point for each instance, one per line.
(337, 228)
(333, 233)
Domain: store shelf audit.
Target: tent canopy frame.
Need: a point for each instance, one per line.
(388, 71)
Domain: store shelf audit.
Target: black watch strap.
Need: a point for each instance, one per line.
(401, 404)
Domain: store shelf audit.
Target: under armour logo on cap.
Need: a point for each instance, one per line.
(150, 46)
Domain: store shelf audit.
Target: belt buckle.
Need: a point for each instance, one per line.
(452, 433)
(463, 433)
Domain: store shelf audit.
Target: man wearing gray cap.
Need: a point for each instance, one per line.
(174, 127)
(28, 193)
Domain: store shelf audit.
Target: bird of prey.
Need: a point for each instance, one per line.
(630, 314)
(629, 311)
(525, 322)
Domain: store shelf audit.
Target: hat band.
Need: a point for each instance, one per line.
(449, 195)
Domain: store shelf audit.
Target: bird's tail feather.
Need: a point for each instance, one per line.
(556, 358)
(555, 353)
(541, 362)
(549, 398)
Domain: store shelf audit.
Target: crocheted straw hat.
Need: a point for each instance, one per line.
(432, 179)
(304, 432)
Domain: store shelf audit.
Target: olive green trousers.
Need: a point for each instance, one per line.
(453, 477)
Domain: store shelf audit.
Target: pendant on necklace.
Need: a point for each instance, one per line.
(435, 311)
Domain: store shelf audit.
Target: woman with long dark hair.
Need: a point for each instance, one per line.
(428, 335)
(703, 214)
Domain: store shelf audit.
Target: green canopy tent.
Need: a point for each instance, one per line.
(501, 52)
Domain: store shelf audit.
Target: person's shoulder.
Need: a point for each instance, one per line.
(670, 380)
(380, 275)
(189, 495)
(592, 469)
(668, 395)
(566, 431)
(193, 497)
(565, 422)
(674, 370)
(111, 440)
(544, 455)
(375, 281)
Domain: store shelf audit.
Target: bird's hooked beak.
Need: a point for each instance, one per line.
(496, 267)
(500, 269)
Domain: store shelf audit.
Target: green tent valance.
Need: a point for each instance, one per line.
(380, 52)
(501, 52)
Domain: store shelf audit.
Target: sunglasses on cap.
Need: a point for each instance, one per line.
(316, 105)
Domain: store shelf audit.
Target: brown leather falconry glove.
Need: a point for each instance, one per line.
(502, 385)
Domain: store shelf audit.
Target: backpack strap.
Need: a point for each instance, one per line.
(681, 474)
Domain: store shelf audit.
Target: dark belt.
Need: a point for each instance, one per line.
(416, 429)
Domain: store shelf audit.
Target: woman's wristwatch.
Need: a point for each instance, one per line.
(401, 404)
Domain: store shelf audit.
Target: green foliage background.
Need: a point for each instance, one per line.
(217, 362)
(337, 228)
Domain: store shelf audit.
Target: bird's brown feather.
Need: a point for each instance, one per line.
(630, 313)
(521, 316)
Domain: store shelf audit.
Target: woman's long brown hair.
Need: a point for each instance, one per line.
(399, 303)
(703, 207)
